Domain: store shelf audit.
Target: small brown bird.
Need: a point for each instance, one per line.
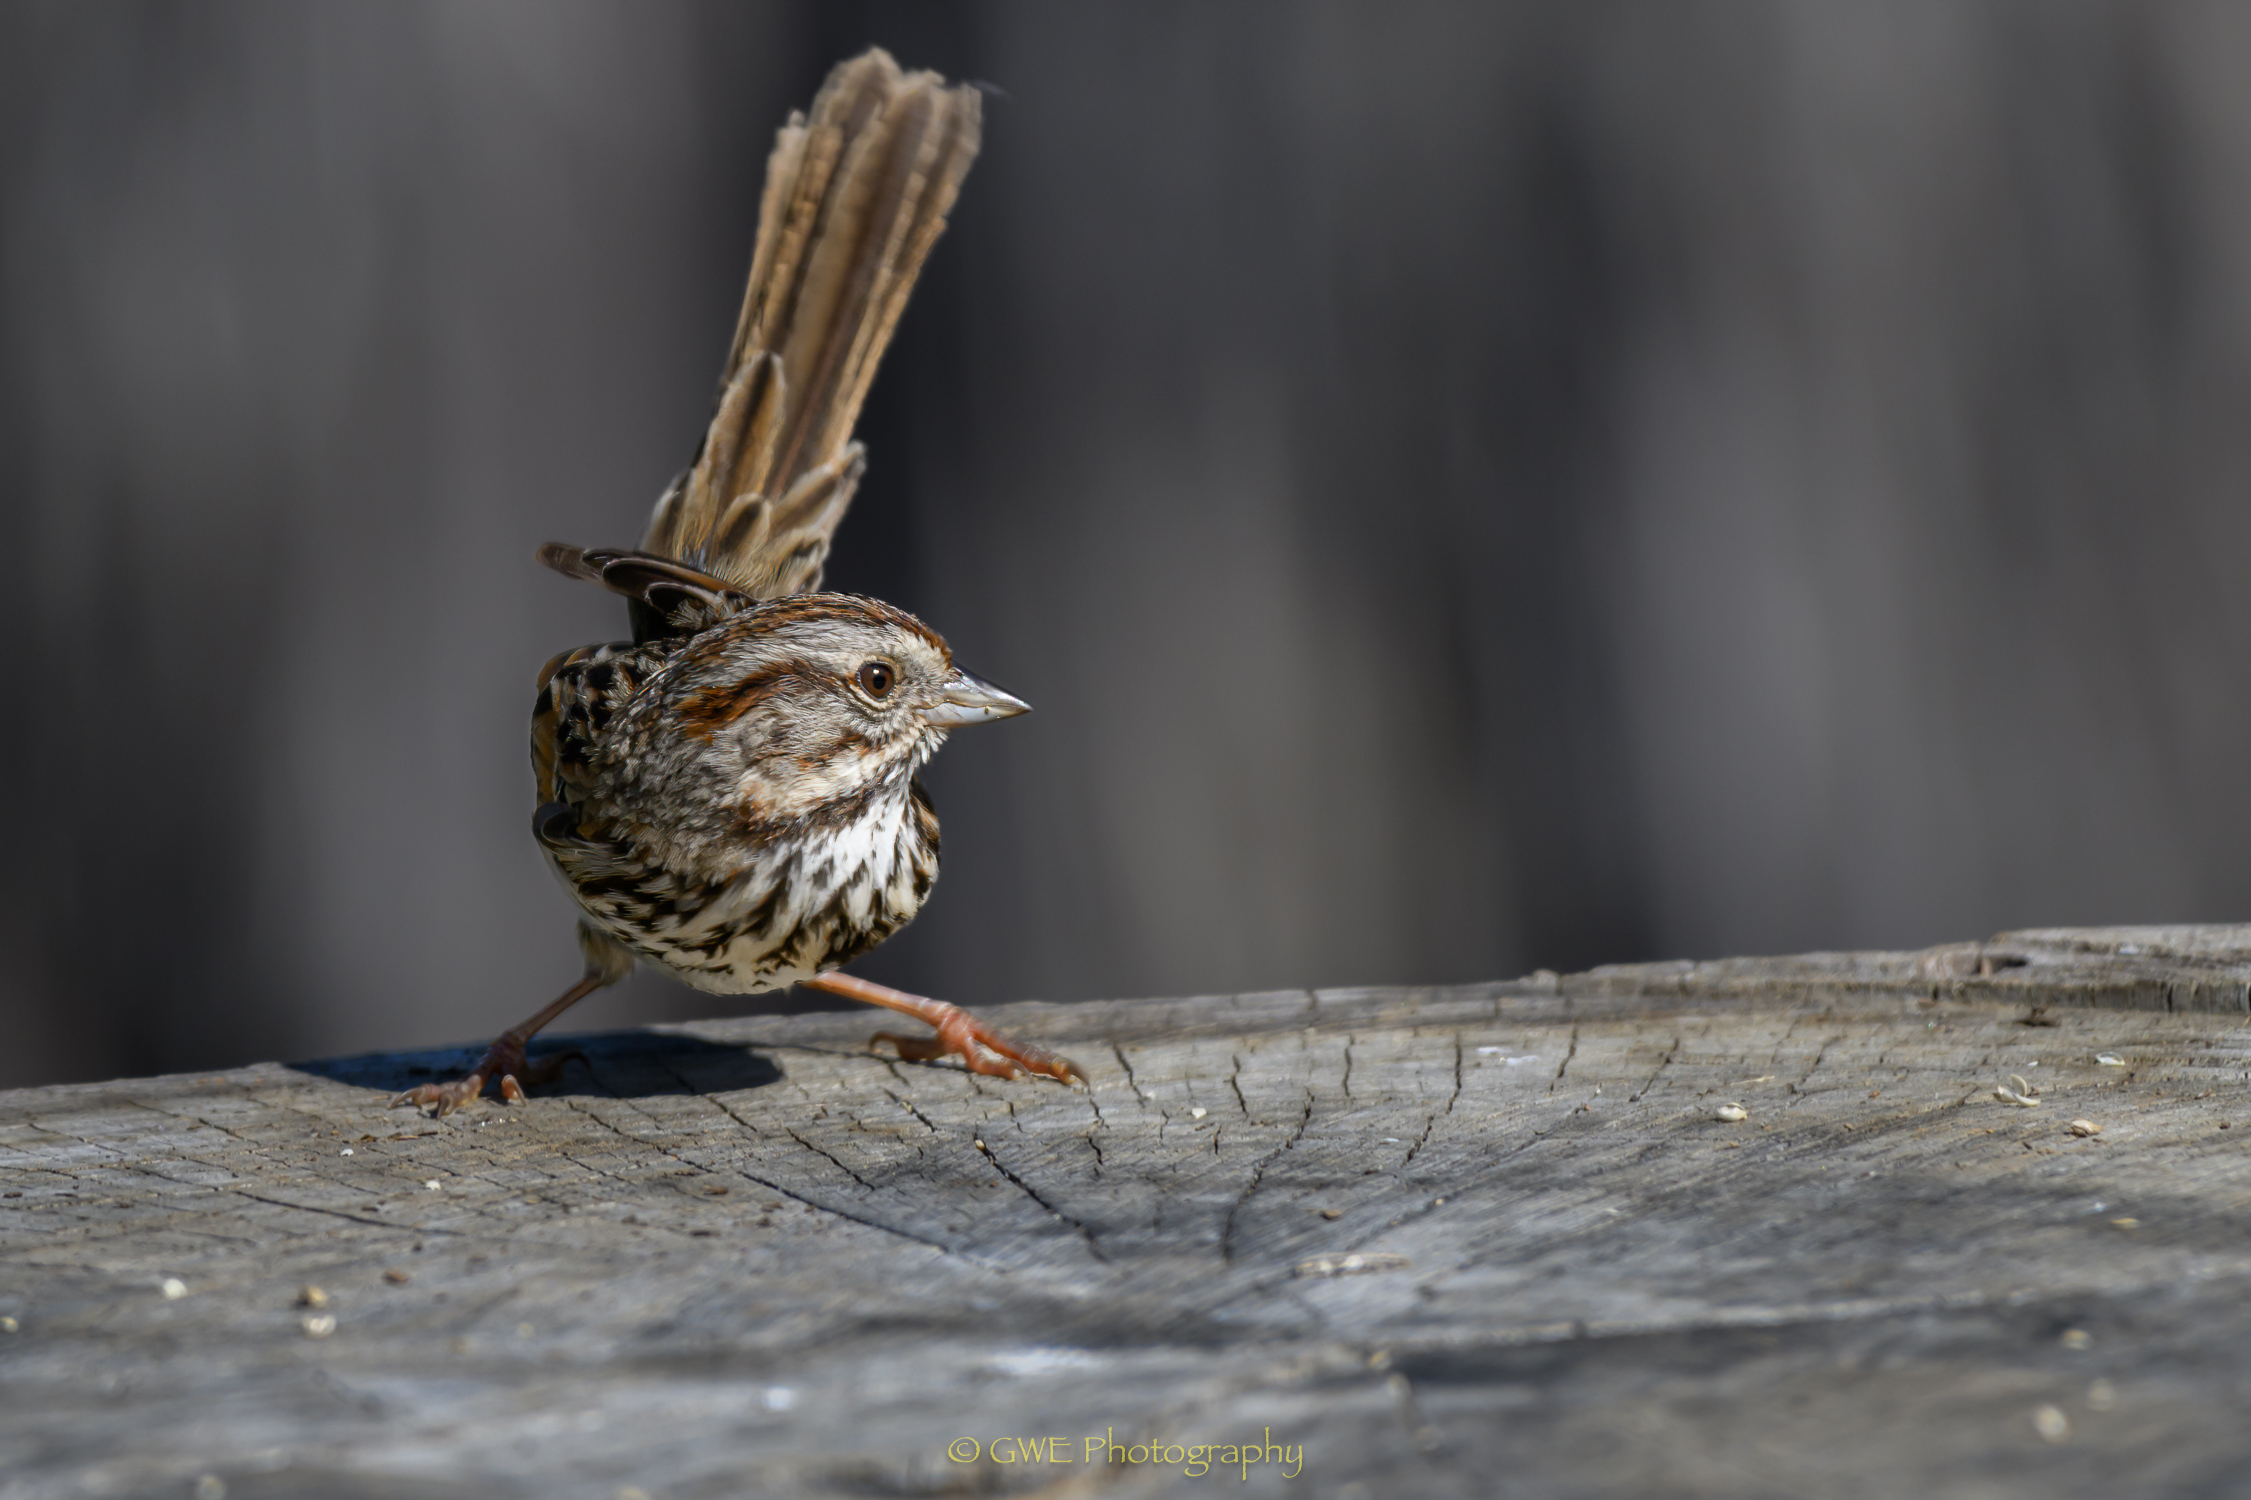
(731, 796)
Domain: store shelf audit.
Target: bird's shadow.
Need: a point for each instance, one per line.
(634, 1064)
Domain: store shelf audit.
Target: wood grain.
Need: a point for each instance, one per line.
(1458, 1241)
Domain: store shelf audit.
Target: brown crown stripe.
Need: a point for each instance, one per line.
(849, 608)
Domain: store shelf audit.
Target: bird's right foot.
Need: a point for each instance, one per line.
(503, 1060)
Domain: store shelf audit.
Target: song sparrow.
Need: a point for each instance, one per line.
(731, 796)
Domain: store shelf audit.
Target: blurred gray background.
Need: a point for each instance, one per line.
(1467, 487)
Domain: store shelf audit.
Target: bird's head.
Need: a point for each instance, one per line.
(805, 705)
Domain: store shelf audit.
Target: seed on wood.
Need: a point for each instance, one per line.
(2085, 1127)
(1731, 1113)
(1330, 1213)
(1357, 1264)
(2101, 1396)
(311, 1296)
(9, 1325)
(432, 1185)
(319, 1326)
(2125, 1223)
(1198, 1112)
(2110, 1059)
(173, 1288)
(2052, 1424)
(2008, 1095)
(2077, 1338)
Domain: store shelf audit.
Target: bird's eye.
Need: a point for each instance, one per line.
(875, 678)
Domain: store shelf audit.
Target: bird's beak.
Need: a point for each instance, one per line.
(970, 699)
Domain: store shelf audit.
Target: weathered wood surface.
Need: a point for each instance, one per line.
(751, 1258)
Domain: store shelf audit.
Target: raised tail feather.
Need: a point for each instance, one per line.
(855, 197)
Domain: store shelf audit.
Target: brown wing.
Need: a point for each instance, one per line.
(856, 194)
(578, 692)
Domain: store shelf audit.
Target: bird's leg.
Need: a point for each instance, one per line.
(606, 963)
(504, 1060)
(981, 1049)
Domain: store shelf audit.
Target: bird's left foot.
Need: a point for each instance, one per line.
(960, 1034)
(980, 1048)
(503, 1060)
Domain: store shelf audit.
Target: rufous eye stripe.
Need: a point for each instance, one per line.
(707, 710)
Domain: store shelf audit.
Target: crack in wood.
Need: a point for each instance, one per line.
(1131, 1082)
(1568, 1053)
(1655, 1073)
(774, 1185)
(833, 1160)
(1085, 1230)
(1258, 1175)
(1431, 1123)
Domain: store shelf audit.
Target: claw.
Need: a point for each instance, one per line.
(981, 1050)
(442, 1099)
(505, 1061)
